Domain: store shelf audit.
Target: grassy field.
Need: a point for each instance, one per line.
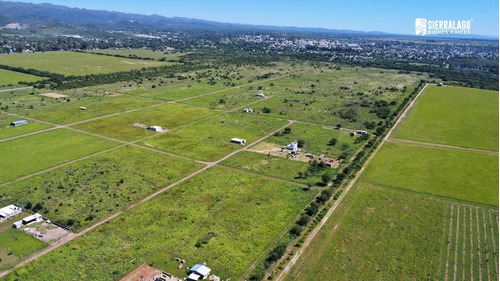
(316, 140)
(61, 111)
(244, 214)
(384, 234)
(89, 190)
(141, 53)
(11, 78)
(226, 100)
(75, 63)
(131, 126)
(210, 139)
(454, 116)
(275, 166)
(455, 174)
(34, 153)
(6, 131)
(15, 246)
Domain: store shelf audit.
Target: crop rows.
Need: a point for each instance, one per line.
(470, 248)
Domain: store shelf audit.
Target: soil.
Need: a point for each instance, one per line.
(53, 95)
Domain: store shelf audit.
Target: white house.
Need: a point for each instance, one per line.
(9, 211)
(198, 272)
(33, 218)
(239, 141)
(294, 146)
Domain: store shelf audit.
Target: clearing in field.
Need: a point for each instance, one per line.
(11, 78)
(455, 174)
(226, 100)
(209, 139)
(76, 63)
(385, 234)
(132, 126)
(225, 218)
(23, 156)
(54, 95)
(15, 246)
(454, 116)
(79, 194)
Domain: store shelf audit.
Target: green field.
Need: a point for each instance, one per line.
(13, 78)
(7, 131)
(455, 174)
(89, 190)
(454, 116)
(384, 234)
(75, 63)
(209, 140)
(61, 111)
(226, 100)
(244, 212)
(15, 246)
(30, 154)
(131, 126)
(141, 53)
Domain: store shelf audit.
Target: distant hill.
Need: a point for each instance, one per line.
(55, 15)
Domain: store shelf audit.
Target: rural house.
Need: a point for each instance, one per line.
(9, 211)
(198, 272)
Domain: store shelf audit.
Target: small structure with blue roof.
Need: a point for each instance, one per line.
(19, 123)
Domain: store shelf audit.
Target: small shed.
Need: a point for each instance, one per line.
(199, 271)
(260, 95)
(247, 110)
(83, 108)
(156, 128)
(239, 141)
(19, 123)
(33, 218)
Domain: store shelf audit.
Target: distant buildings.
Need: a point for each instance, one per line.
(9, 211)
(198, 272)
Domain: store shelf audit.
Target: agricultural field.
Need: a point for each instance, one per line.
(453, 116)
(11, 78)
(455, 174)
(66, 110)
(223, 217)
(209, 140)
(7, 131)
(31, 154)
(15, 246)
(141, 53)
(65, 62)
(227, 100)
(386, 234)
(132, 126)
(79, 194)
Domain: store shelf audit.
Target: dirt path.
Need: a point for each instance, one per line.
(487, 252)
(495, 253)
(457, 234)
(315, 231)
(444, 146)
(16, 89)
(449, 244)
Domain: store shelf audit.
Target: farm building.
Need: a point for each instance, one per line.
(358, 132)
(19, 123)
(33, 218)
(156, 128)
(260, 95)
(83, 108)
(198, 272)
(247, 110)
(238, 141)
(294, 146)
(9, 211)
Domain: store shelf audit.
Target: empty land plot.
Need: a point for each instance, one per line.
(384, 234)
(62, 111)
(76, 63)
(455, 174)
(132, 126)
(30, 154)
(317, 138)
(242, 214)
(141, 53)
(209, 140)
(275, 166)
(7, 131)
(453, 116)
(15, 246)
(79, 194)
(13, 78)
(229, 99)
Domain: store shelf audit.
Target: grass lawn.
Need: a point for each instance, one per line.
(89, 190)
(385, 234)
(455, 174)
(210, 139)
(7, 131)
(244, 213)
(34, 153)
(275, 166)
(13, 78)
(75, 63)
(130, 126)
(454, 116)
(16, 246)
(62, 112)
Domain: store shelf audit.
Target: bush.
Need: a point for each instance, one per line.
(312, 209)
(266, 110)
(303, 220)
(296, 230)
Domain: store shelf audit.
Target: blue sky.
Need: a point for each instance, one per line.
(393, 16)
